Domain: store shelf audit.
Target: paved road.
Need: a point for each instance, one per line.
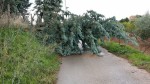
(109, 69)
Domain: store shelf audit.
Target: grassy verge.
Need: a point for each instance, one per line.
(134, 56)
(23, 60)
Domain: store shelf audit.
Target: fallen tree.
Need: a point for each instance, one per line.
(86, 29)
(67, 30)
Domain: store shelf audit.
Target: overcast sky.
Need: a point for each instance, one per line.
(109, 8)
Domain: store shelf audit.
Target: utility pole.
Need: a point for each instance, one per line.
(65, 6)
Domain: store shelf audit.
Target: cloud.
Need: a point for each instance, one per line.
(118, 8)
(109, 8)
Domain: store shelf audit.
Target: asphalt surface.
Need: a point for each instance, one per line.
(91, 69)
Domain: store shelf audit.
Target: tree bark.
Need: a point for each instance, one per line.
(1, 8)
(8, 14)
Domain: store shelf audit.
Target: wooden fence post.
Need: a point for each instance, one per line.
(8, 14)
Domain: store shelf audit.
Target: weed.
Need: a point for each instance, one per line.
(24, 60)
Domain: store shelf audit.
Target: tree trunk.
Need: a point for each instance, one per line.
(8, 14)
(1, 8)
(32, 20)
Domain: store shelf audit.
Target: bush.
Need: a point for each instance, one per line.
(143, 30)
(24, 60)
(119, 49)
(143, 26)
(129, 26)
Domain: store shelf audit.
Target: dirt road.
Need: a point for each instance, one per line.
(91, 69)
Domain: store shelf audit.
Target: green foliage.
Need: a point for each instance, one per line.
(124, 20)
(67, 29)
(87, 28)
(16, 6)
(139, 59)
(134, 56)
(119, 49)
(24, 60)
(22, 6)
(51, 10)
(143, 26)
(115, 29)
(129, 26)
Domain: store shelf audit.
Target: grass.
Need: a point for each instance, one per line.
(134, 56)
(23, 60)
(14, 20)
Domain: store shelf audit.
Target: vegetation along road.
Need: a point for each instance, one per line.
(91, 69)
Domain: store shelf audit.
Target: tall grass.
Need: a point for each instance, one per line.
(23, 60)
(14, 20)
(119, 48)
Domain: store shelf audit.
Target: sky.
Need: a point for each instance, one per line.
(118, 8)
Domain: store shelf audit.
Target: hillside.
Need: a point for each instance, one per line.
(24, 60)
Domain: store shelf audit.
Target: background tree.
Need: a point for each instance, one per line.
(16, 6)
(124, 20)
(143, 30)
(51, 10)
(129, 23)
(39, 11)
(129, 26)
(22, 6)
(1, 6)
(48, 10)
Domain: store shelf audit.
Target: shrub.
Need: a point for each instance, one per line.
(24, 60)
(119, 49)
(129, 26)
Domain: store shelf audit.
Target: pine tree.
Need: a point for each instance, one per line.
(22, 6)
(48, 10)
(16, 6)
